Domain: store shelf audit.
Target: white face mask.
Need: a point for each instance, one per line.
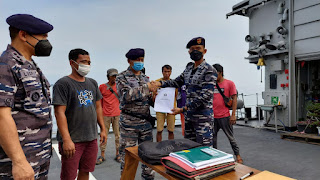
(83, 69)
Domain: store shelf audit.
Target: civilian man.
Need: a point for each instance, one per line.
(77, 108)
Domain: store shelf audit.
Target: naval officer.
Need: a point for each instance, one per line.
(200, 79)
(25, 118)
(135, 96)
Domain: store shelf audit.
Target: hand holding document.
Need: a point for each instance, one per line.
(176, 111)
(156, 83)
(165, 100)
(152, 87)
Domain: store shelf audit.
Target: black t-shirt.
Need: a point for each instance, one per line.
(80, 99)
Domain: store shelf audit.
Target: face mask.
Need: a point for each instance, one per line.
(196, 55)
(83, 69)
(137, 66)
(42, 48)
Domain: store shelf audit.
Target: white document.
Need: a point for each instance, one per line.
(165, 100)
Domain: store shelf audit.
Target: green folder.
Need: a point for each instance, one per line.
(196, 157)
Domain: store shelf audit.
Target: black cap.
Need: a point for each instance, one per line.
(196, 41)
(29, 23)
(218, 67)
(135, 53)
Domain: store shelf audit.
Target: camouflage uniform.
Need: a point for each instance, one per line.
(134, 98)
(24, 88)
(200, 84)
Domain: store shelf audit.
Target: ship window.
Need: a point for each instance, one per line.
(273, 81)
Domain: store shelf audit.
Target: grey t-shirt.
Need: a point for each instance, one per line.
(80, 99)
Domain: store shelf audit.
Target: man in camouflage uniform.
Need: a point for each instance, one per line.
(134, 92)
(25, 114)
(200, 79)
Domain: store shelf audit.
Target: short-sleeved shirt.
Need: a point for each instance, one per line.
(219, 108)
(24, 88)
(80, 101)
(110, 103)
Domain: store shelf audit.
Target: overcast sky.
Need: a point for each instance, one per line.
(108, 29)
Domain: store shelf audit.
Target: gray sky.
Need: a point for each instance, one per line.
(108, 29)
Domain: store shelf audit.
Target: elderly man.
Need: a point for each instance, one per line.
(25, 119)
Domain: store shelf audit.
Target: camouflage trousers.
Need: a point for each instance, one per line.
(199, 131)
(133, 130)
(41, 172)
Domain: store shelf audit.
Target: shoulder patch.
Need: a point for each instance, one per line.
(209, 77)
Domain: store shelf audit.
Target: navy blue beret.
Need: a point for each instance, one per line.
(134, 54)
(29, 23)
(196, 41)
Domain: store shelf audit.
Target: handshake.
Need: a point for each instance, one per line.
(154, 85)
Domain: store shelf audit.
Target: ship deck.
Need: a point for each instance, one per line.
(260, 148)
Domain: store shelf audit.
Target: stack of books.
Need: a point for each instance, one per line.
(198, 163)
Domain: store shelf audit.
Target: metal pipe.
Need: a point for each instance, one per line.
(298, 91)
(244, 10)
(292, 71)
(261, 74)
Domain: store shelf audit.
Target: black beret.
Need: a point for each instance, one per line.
(196, 41)
(134, 54)
(29, 23)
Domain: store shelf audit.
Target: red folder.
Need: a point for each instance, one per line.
(192, 172)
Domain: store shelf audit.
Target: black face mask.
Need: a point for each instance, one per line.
(42, 48)
(196, 55)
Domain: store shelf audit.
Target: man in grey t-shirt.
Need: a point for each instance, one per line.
(77, 106)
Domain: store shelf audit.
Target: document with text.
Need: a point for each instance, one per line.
(165, 100)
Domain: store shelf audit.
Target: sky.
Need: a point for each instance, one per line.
(108, 29)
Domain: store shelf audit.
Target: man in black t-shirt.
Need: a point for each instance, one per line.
(77, 106)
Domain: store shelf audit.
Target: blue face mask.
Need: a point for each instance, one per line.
(137, 66)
